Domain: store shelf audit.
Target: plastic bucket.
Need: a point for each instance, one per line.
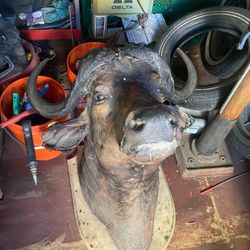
(78, 53)
(55, 93)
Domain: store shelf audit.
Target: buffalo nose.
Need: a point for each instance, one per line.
(174, 123)
(137, 124)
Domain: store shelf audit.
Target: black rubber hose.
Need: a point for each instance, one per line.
(231, 20)
(219, 50)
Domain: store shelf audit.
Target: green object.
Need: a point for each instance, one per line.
(59, 9)
(86, 16)
(173, 10)
(16, 104)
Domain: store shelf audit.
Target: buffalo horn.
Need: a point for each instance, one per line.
(88, 69)
(181, 95)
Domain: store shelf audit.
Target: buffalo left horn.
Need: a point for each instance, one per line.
(85, 77)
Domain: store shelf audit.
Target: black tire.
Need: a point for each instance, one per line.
(231, 20)
(238, 3)
(239, 136)
(223, 61)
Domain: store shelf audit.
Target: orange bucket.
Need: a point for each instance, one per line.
(77, 53)
(55, 93)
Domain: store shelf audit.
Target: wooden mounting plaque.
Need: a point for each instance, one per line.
(93, 232)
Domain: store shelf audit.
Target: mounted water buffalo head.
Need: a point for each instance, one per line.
(125, 90)
(128, 131)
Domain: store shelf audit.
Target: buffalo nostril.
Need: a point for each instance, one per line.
(137, 125)
(174, 124)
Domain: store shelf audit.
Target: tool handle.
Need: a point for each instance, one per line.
(238, 99)
(29, 144)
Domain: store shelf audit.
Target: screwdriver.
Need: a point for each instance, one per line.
(30, 150)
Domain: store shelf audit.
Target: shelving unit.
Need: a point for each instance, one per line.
(58, 34)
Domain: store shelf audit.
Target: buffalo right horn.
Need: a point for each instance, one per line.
(181, 95)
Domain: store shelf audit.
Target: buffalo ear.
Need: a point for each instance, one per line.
(67, 135)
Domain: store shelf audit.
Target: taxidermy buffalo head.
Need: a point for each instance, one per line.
(128, 132)
(124, 90)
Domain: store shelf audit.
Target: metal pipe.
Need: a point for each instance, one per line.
(217, 130)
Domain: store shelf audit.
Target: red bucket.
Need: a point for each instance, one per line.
(55, 93)
(77, 53)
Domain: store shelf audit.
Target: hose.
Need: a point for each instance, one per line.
(17, 118)
(230, 20)
(219, 51)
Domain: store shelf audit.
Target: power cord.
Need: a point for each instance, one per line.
(141, 21)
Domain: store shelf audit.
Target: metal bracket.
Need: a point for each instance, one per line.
(192, 164)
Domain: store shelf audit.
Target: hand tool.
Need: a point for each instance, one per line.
(30, 150)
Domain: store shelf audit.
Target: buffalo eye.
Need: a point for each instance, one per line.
(100, 97)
